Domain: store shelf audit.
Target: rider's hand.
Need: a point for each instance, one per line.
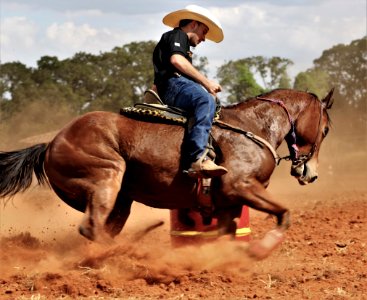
(213, 87)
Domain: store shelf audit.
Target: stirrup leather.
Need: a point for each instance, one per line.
(204, 200)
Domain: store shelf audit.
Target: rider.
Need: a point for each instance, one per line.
(181, 85)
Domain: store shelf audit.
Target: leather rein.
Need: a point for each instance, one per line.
(296, 158)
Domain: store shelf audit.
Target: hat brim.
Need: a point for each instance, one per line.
(215, 32)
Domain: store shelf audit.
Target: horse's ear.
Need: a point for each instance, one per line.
(328, 101)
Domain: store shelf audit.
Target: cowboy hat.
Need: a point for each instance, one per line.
(200, 14)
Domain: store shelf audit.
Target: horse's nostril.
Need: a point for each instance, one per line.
(313, 178)
(304, 173)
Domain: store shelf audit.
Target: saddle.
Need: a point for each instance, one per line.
(153, 109)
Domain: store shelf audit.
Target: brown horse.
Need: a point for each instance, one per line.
(102, 161)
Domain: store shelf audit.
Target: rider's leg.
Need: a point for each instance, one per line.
(194, 99)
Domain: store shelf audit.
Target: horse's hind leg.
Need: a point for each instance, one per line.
(102, 195)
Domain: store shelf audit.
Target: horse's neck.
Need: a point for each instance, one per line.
(265, 119)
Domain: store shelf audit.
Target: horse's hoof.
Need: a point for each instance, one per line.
(262, 248)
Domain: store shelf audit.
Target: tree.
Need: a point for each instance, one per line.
(15, 81)
(346, 66)
(272, 71)
(316, 81)
(201, 63)
(47, 69)
(238, 77)
(126, 73)
(238, 81)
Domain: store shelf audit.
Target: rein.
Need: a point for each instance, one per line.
(291, 121)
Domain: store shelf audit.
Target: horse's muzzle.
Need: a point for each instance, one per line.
(304, 174)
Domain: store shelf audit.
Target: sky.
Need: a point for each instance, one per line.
(299, 30)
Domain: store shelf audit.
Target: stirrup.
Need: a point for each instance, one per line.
(204, 199)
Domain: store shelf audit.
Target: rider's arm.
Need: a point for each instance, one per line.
(184, 66)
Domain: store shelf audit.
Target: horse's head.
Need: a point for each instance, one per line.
(311, 127)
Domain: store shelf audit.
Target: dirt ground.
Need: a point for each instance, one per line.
(324, 255)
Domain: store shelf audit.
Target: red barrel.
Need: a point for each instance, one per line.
(182, 234)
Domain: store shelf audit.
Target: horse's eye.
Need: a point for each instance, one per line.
(326, 131)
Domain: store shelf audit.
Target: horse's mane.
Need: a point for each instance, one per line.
(268, 94)
(271, 93)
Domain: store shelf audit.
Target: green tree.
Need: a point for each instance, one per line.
(47, 69)
(127, 73)
(346, 66)
(316, 81)
(238, 81)
(15, 81)
(272, 71)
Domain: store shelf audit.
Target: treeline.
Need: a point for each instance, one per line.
(118, 78)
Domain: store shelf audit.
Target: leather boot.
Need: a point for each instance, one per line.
(206, 168)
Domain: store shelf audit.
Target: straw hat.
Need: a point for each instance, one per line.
(200, 14)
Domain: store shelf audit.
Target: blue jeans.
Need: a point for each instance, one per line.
(200, 106)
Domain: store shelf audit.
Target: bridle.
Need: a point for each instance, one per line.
(295, 156)
(291, 138)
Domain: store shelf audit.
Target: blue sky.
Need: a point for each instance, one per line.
(299, 30)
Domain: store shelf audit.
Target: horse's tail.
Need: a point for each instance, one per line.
(17, 167)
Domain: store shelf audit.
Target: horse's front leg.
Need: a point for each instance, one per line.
(253, 194)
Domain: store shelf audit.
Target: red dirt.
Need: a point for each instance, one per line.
(324, 255)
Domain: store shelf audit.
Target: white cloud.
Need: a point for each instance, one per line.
(69, 35)
(18, 35)
(68, 38)
(18, 29)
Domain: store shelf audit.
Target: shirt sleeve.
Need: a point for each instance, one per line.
(178, 43)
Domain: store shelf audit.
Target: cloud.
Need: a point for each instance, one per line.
(290, 31)
(299, 30)
(109, 6)
(84, 13)
(71, 36)
(18, 35)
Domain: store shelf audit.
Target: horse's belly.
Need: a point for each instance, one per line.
(162, 193)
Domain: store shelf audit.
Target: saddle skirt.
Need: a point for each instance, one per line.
(154, 108)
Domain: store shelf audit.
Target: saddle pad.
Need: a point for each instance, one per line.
(156, 111)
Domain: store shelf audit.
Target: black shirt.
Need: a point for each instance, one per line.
(172, 42)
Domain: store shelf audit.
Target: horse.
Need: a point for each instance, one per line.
(101, 162)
